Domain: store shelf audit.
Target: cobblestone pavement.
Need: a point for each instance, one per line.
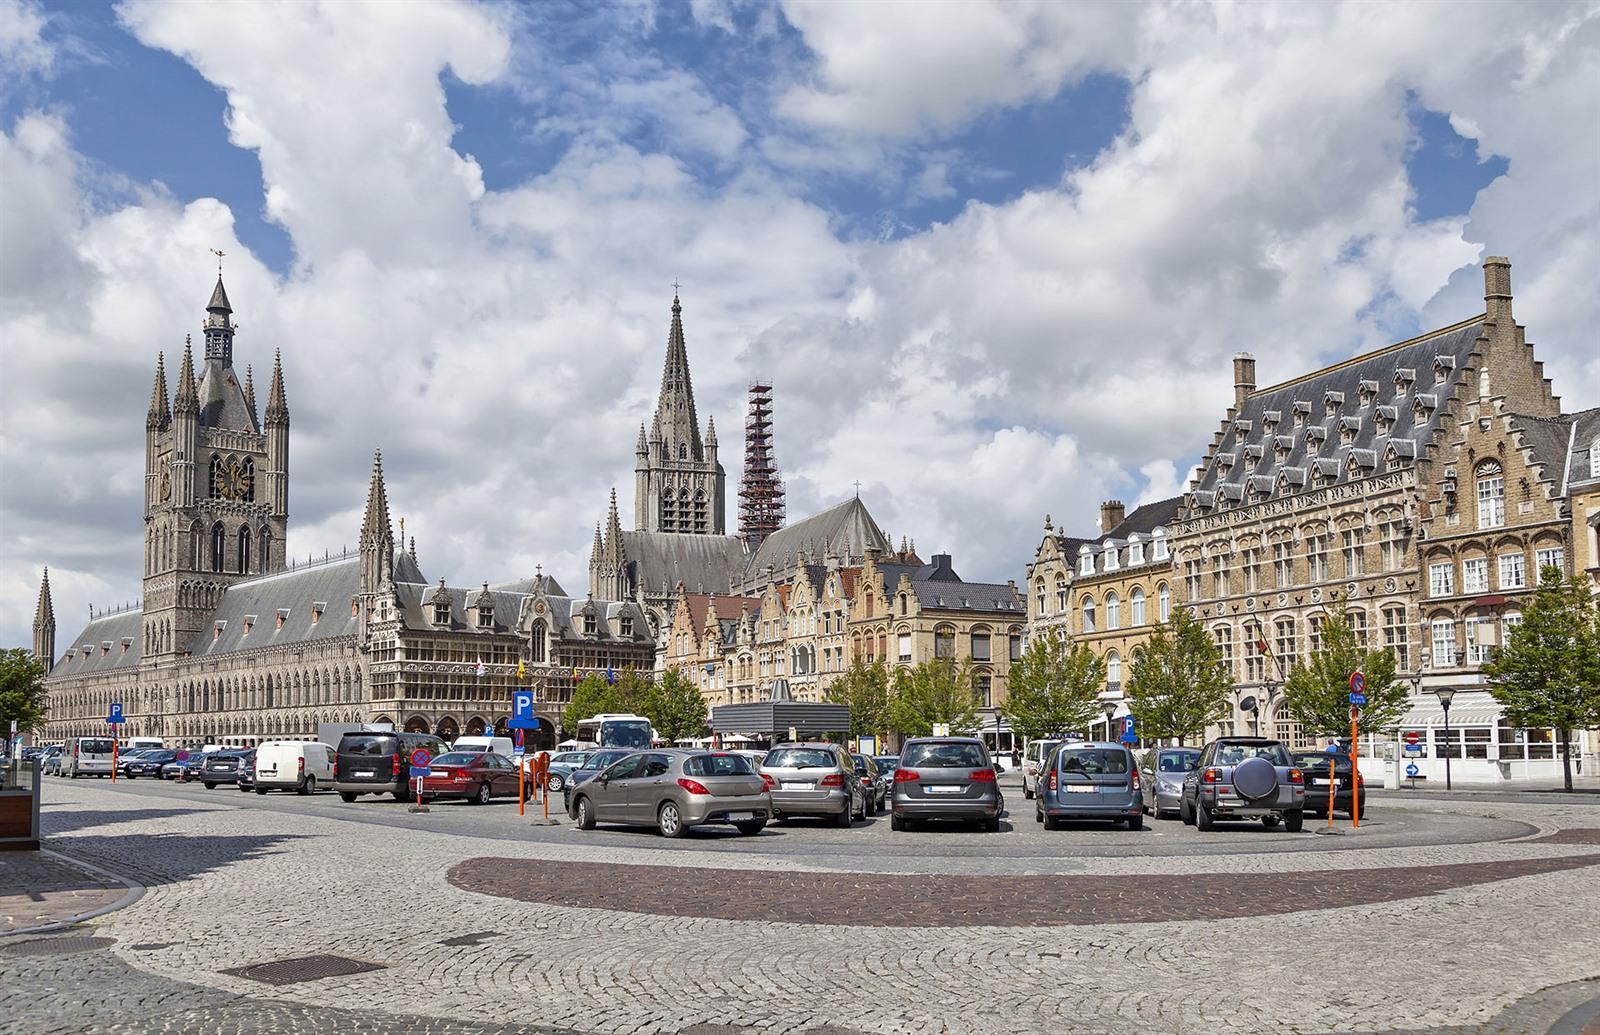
(38, 888)
(238, 880)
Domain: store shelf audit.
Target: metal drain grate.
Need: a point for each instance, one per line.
(57, 946)
(475, 938)
(304, 968)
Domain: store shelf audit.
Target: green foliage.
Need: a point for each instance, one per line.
(22, 693)
(864, 689)
(1177, 685)
(1054, 688)
(934, 692)
(1548, 673)
(594, 696)
(675, 708)
(1317, 694)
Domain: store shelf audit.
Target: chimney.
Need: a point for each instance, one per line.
(1244, 377)
(1497, 290)
(1111, 514)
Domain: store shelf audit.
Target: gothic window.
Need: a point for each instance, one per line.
(699, 512)
(1491, 495)
(1061, 594)
(219, 546)
(216, 470)
(669, 511)
(249, 479)
(264, 549)
(1044, 601)
(683, 451)
(244, 549)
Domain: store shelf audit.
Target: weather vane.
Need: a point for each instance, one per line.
(219, 255)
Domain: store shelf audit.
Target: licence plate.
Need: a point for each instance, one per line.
(364, 772)
(1078, 788)
(740, 817)
(944, 790)
(792, 786)
(437, 772)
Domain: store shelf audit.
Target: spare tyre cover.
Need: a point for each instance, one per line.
(1255, 778)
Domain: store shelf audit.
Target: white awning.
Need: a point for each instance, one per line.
(1468, 708)
(994, 724)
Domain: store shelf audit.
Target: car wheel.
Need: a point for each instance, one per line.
(1038, 815)
(554, 783)
(751, 827)
(992, 825)
(261, 790)
(1052, 823)
(348, 796)
(308, 785)
(1270, 822)
(845, 816)
(483, 794)
(1027, 792)
(1186, 812)
(1294, 821)
(670, 821)
(583, 814)
(1202, 817)
(870, 806)
(895, 822)
(1136, 822)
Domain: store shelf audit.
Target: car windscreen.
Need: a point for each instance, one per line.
(888, 761)
(800, 758)
(94, 747)
(369, 745)
(935, 755)
(1093, 761)
(1319, 760)
(457, 758)
(1175, 761)
(625, 734)
(718, 765)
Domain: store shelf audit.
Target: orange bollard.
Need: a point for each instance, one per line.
(522, 772)
(1333, 784)
(1355, 770)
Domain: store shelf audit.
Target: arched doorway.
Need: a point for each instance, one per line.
(502, 726)
(416, 724)
(448, 729)
(475, 726)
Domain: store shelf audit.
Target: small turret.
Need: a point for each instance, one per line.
(44, 626)
(160, 414)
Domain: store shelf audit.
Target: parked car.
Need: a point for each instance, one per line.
(675, 789)
(1090, 780)
(562, 764)
(292, 765)
(476, 776)
(1033, 759)
(872, 781)
(378, 762)
(147, 763)
(87, 756)
(1346, 778)
(594, 763)
(127, 756)
(813, 780)
(946, 778)
(51, 759)
(499, 745)
(247, 771)
(220, 767)
(184, 768)
(1244, 778)
(1161, 773)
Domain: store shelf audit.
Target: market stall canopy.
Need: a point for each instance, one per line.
(780, 713)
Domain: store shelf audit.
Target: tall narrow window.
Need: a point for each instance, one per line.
(1395, 635)
(1255, 655)
(1393, 544)
(264, 550)
(219, 546)
(1223, 634)
(1252, 569)
(1286, 644)
(1061, 595)
(1088, 615)
(1283, 564)
(1113, 611)
(1354, 552)
(1444, 642)
(1136, 607)
(1113, 669)
(244, 550)
(1317, 558)
(1163, 602)
(1491, 495)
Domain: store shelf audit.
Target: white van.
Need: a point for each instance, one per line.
(143, 742)
(293, 765)
(87, 756)
(499, 745)
(1032, 760)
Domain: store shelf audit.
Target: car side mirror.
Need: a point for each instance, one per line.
(1193, 766)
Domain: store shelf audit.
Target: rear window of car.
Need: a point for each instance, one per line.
(1175, 761)
(718, 765)
(457, 758)
(95, 747)
(369, 745)
(1319, 760)
(1233, 754)
(943, 756)
(800, 758)
(1093, 760)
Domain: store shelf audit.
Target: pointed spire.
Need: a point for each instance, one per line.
(160, 413)
(613, 539)
(187, 398)
(375, 527)
(641, 448)
(277, 405)
(711, 432)
(675, 413)
(599, 546)
(45, 614)
(219, 299)
(250, 390)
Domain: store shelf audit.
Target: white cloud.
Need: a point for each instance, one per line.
(23, 48)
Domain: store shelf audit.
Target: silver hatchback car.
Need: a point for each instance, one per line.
(814, 780)
(946, 778)
(674, 790)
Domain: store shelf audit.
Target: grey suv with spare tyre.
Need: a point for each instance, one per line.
(1244, 778)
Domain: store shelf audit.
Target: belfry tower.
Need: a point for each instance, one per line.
(678, 484)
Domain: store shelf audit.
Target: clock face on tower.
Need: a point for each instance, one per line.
(166, 486)
(234, 479)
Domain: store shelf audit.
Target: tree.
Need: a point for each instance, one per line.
(1177, 685)
(864, 689)
(596, 695)
(1317, 693)
(22, 693)
(933, 693)
(675, 708)
(1548, 673)
(1053, 688)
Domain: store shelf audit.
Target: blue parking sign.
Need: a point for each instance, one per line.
(115, 717)
(522, 717)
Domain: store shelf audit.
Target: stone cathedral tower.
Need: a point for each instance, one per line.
(678, 484)
(216, 499)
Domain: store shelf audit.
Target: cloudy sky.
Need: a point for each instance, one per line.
(995, 257)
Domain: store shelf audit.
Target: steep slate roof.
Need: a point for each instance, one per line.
(845, 529)
(660, 560)
(1420, 410)
(416, 607)
(331, 583)
(937, 585)
(1143, 521)
(109, 629)
(728, 607)
(222, 402)
(566, 614)
(1586, 438)
(526, 586)
(1547, 438)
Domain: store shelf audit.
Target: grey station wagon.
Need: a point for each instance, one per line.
(674, 790)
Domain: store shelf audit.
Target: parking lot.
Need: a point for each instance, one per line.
(475, 920)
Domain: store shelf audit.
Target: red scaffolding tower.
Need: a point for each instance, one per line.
(760, 489)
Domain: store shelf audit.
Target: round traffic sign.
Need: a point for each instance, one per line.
(1358, 683)
(1412, 770)
(420, 757)
(1413, 737)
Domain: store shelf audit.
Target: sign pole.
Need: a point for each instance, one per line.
(1355, 768)
(113, 754)
(1333, 785)
(522, 772)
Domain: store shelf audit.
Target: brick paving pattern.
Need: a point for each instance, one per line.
(38, 889)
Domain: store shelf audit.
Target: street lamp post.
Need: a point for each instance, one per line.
(1110, 710)
(1446, 695)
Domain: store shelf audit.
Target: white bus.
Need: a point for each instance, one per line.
(615, 730)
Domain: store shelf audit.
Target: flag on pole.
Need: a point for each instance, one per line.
(522, 670)
(611, 676)
(483, 669)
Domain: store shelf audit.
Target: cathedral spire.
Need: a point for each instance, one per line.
(375, 527)
(44, 625)
(277, 405)
(675, 413)
(187, 399)
(613, 530)
(250, 390)
(160, 413)
(218, 326)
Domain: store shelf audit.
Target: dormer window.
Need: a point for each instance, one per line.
(1331, 401)
(1085, 562)
(1594, 458)
(441, 612)
(1366, 392)
(1225, 460)
(1424, 403)
(1111, 556)
(1242, 427)
(317, 607)
(486, 618)
(1442, 365)
(1158, 545)
(1403, 379)
(625, 626)
(1269, 420)
(249, 622)
(283, 616)
(589, 625)
(1135, 550)
(1348, 426)
(216, 630)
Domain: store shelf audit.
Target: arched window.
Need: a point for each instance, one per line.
(244, 549)
(219, 545)
(683, 450)
(1043, 605)
(1113, 668)
(1163, 603)
(1491, 495)
(1061, 594)
(1136, 606)
(536, 643)
(264, 549)
(216, 470)
(1113, 611)
(669, 511)
(1088, 615)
